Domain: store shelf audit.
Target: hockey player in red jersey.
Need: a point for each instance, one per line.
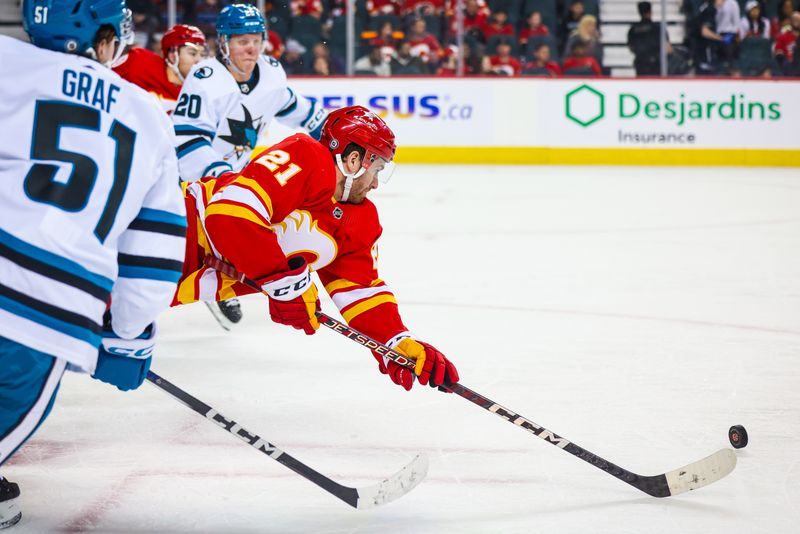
(302, 205)
(182, 47)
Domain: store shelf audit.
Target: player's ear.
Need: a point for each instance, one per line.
(353, 161)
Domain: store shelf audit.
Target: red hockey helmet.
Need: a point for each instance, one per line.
(179, 35)
(357, 124)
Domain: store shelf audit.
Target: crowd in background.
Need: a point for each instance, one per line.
(505, 37)
(753, 38)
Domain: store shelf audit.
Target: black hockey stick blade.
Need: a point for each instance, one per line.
(386, 491)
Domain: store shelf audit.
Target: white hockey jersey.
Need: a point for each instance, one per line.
(90, 203)
(218, 120)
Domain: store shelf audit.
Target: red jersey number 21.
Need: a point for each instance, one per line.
(278, 159)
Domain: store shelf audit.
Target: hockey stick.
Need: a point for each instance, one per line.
(384, 492)
(690, 477)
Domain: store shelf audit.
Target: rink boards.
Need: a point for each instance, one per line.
(579, 121)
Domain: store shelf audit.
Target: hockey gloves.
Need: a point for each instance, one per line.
(432, 367)
(293, 297)
(124, 362)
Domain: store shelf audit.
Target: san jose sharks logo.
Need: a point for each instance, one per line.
(244, 133)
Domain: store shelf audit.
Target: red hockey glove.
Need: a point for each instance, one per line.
(293, 297)
(432, 367)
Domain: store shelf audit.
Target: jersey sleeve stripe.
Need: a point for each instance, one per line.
(254, 187)
(64, 321)
(311, 111)
(238, 211)
(149, 273)
(367, 305)
(54, 273)
(131, 266)
(184, 129)
(149, 214)
(187, 289)
(53, 266)
(290, 106)
(338, 285)
(343, 299)
(246, 197)
(158, 227)
(190, 146)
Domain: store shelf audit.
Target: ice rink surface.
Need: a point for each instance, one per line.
(638, 312)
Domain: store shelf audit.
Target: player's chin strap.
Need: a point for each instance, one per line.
(348, 178)
(124, 41)
(174, 68)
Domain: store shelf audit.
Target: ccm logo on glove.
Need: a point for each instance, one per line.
(128, 352)
(291, 290)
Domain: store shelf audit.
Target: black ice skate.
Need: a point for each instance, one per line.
(9, 511)
(226, 312)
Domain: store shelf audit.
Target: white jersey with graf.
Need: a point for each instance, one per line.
(218, 120)
(90, 204)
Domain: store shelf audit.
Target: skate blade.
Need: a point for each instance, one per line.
(223, 321)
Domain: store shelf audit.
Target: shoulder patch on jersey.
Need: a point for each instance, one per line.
(337, 212)
(203, 72)
(273, 62)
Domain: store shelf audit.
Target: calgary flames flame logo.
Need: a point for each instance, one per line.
(299, 233)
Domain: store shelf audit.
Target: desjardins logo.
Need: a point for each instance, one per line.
(585, 105)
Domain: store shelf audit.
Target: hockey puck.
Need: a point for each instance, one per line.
(737, 436)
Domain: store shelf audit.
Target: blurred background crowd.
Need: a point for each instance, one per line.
(515, 37)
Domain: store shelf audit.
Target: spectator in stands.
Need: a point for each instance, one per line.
(406, 64)
(475, 15)
(373, 63)
(321, 66)
(321, 50)
(498, 25)
(274, 45)
(581, 61)
(586, 33)
(753, 24)
(146, 18)
(293, 59)
(337, 8)
(541, 62)
(534, 28)
(502, 63)
(423, 44)
(782, 21)
(786, 44)
(570, 23)
(729, 21)
(793, 69)
(423, 8)
(707, 59)
(474, 63)
(644, 40)
(311, 8)
(388, 39)
(384, 7)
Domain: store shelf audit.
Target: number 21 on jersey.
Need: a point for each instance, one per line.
(278, 159)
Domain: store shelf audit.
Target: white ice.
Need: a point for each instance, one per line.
(638, 312)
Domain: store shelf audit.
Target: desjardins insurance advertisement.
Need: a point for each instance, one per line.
(687, 113)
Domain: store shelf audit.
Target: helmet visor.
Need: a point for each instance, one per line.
(382, 169)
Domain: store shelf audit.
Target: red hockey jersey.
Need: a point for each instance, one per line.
(279, 206)
(147, 70)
